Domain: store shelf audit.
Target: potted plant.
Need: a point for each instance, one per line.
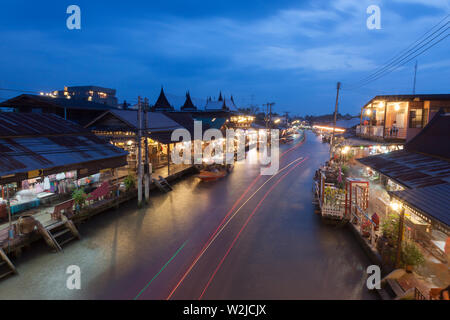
(129, 182)
(79, 197)
(411, 256)
(389, 228)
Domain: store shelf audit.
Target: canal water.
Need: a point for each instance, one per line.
(285, 252)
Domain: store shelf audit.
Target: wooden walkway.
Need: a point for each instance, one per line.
(58, 232)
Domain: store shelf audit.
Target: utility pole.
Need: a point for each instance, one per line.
(286, 114)
(147, 172)
(400, 237)
(269, 113)
(335, 116)
(415, 75)
(139, 157)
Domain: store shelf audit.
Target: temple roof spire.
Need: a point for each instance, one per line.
(162, 104)
(188, 105)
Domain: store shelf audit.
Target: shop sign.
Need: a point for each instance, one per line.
(35, 173)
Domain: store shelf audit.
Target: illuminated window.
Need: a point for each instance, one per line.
(416, 118)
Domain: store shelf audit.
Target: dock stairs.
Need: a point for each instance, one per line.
(162, 184)
(6, 266)
(58, 234)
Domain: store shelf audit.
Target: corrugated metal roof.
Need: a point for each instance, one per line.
(186, 120)
(344, 124)
(157, 121)
(35, 148)
(433, 201)
(25, 124)
(410, 169)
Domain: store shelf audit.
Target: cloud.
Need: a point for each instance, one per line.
(318, 59)
(441, 4)
(444, 64)
(286, 40)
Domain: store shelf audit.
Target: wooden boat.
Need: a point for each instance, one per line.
(214, 173)
(205, 175)
(290, 138)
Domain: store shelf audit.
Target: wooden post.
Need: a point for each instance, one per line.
(146, 165)
(335, 116)
(168, 159)
(5, 258)
(139, 159)
(8, 208)
(385, 117)
(400, 237)
(361, 117)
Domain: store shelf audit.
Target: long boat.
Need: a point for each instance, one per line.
(214, 173)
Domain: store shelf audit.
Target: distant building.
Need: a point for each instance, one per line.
(399, 117)
(188, 105)
(222, 104)
(79, 111)
(162, 104)
(89, 93)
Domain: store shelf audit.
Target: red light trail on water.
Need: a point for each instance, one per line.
(211, 238)
(246, 222)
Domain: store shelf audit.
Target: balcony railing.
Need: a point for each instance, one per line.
(395, 133)
(380, 132)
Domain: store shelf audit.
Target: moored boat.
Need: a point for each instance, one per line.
(213, 173)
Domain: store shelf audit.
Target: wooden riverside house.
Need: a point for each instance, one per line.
(417, 181)
(399, 117)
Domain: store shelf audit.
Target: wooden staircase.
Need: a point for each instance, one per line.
(6, 266)
(162, 184)
(58, 234)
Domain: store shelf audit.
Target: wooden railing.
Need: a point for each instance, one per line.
(418, 295)
(381, 132)
(395, 133)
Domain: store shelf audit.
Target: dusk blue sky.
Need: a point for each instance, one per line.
(288, 52)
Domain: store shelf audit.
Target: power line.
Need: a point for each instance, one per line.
(402, 64)
(410, 50)
(401, 58)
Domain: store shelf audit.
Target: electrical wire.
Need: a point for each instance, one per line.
(399, 59)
